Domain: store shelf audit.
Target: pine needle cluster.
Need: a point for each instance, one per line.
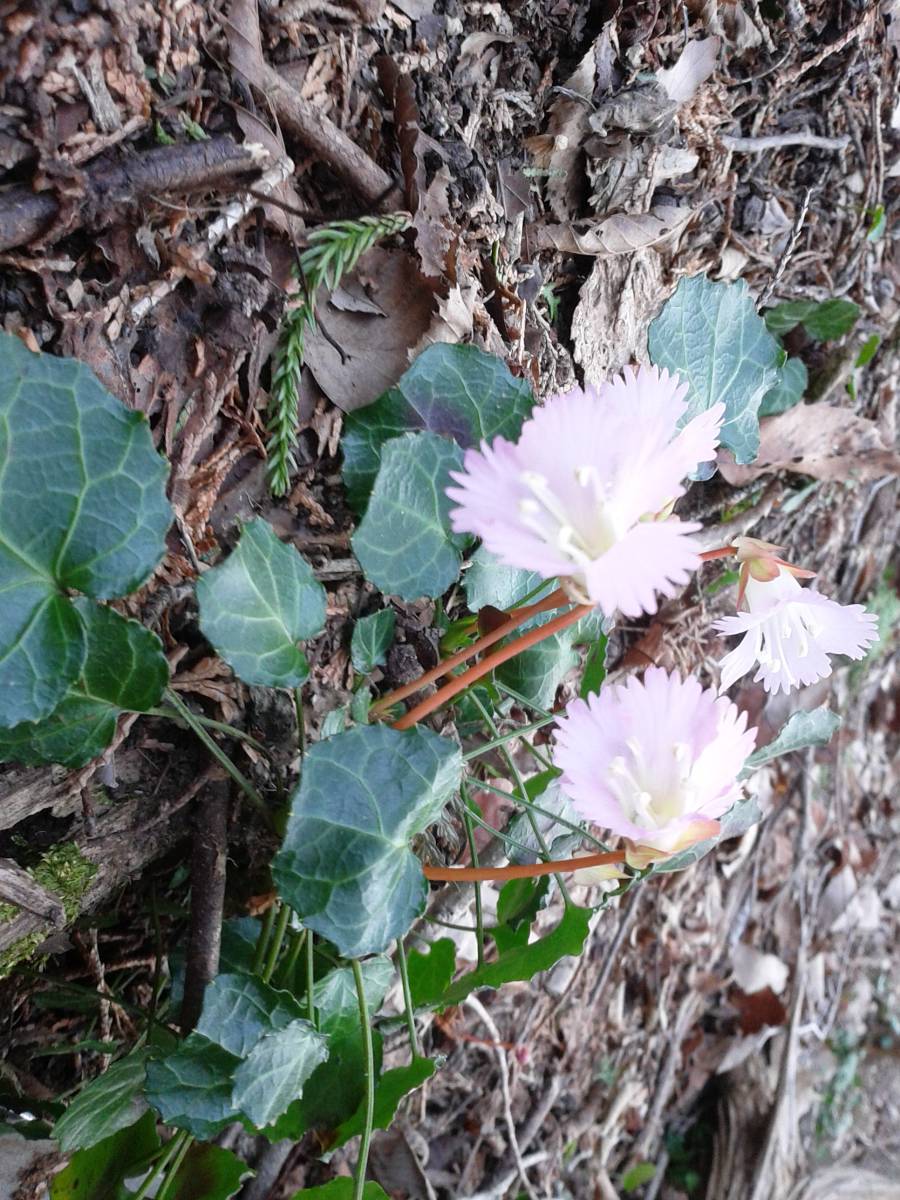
(333, 250)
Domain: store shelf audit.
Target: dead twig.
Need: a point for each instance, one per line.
(234, 213)
(774, 141)
(487, 1020)
(301, 118)
(207, 898)
(24, 214)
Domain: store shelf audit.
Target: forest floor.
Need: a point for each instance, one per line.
(736, 1025)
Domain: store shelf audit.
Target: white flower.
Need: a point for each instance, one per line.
(579, 495)
(790, 631)
(656, 761)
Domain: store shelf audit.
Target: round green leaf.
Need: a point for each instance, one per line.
(238, 1010)
(191, 1087)
(486, 580)
(345, 866)
(82, 506)
(100, 1171)
(258, 604)
(112, 1101)
(831, 319)
(372, 635)
(250, 1054)
(712, 335)
(404, 543)
(457, 391)
(788, 390)
(125, 670)
(272, 1075)
(42, 647)
(209, 1173)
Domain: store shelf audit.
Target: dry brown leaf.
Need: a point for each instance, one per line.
(212, 679)
(474, 60)
(454, 320)
(729, 19)
(758, 1009)
(432, 225)
(695, 65)
(558, 150)
(374, 350)
(400, 92)
(826, 443)
(621, 233)
(617, 300)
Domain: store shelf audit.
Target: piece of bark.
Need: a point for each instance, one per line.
(25, 214)
(129, 836)
(17, 887)
(207, 898)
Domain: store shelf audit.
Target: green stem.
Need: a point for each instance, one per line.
(473, 854)
(262, 942)
(172, 1168)
(407, 998)
(523, 794)
(209, 723)
(505, 737)
(506, 838)
(281, 925)
(506, 690)
(310, 978)
(449, 924)
(545, 812)
(217, 752)
(168, 1153)
(523, 700)
(366, 1031)
(290, 963)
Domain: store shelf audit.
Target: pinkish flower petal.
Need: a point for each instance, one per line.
(573, 496)
(655, 556)
(653, 760)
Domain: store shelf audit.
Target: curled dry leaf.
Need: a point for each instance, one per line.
(615, 305)
(355, 356)
(826, 443)
(621, 233)
(730, 20)
(754, 970)
(558, 150)
(695, 65)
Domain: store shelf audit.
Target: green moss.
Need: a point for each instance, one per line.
(18, 952)
(63, 870)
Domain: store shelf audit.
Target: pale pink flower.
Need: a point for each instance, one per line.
(578, 495)
(790, 630)
(656, 761)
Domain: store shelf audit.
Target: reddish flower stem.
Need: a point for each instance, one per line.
(459, 683)
(722, 552)
(516, 618)
(522, 871)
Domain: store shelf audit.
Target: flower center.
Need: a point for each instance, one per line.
(582, 534)
(785, 637)
(653, 794)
